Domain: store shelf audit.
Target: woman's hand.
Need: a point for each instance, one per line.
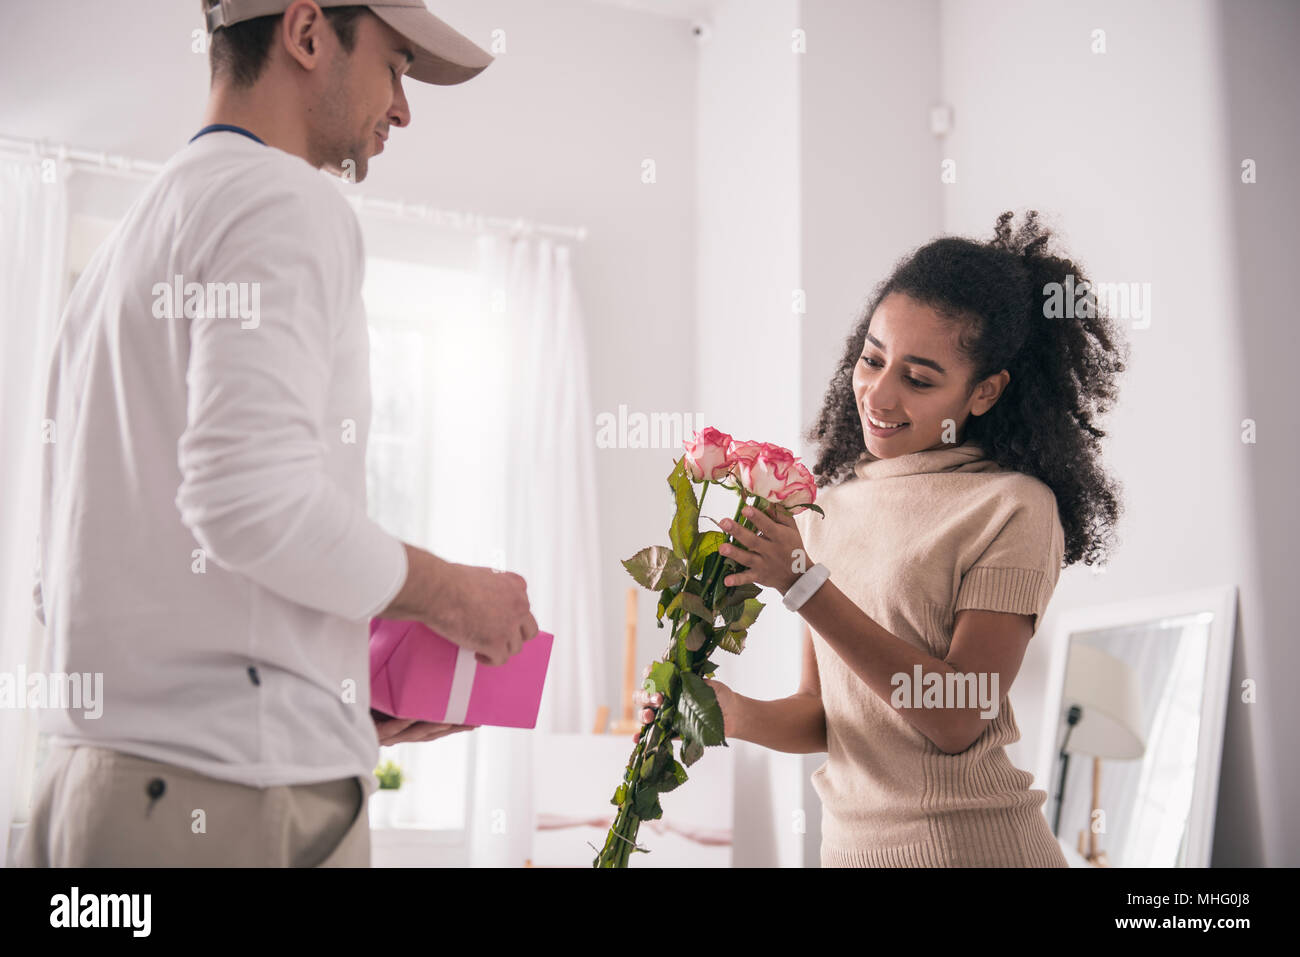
(728, 701)
(773, 555)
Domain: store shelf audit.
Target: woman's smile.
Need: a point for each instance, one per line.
(882, 427)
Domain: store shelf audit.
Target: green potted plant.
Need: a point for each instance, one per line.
(383, 802)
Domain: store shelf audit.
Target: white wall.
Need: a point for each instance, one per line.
(868, 188)
(1137, 151)
(1256, 43)
(869, 160)
(748, 345)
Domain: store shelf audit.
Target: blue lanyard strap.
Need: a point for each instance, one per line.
(226, 126)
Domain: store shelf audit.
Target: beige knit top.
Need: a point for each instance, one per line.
(912, 540)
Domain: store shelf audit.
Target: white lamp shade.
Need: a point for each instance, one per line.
(1106, 691)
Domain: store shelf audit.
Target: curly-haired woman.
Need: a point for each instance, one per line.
(958, 438)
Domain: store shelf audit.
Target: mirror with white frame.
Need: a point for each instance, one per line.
(1136, 703)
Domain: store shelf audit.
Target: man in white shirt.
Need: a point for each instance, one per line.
(204, 539)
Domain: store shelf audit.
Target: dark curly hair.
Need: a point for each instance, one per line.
(1063, 371)
(240, 51)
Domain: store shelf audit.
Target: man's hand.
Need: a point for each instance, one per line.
(485, 610)
(477, 608)
(407, 730)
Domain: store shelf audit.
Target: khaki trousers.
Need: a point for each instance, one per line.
(95, 807)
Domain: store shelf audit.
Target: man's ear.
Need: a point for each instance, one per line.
(300, 34)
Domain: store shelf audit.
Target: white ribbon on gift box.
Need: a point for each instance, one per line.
(462, 683)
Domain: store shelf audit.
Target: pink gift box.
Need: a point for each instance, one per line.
(417, 673)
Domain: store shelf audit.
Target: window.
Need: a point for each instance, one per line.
(438, 380)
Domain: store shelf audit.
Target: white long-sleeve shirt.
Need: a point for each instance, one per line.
(204, 538)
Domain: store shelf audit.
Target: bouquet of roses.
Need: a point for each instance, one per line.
(689, 576)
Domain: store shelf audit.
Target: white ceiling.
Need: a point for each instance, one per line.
(680, 9)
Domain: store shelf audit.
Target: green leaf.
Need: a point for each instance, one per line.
(695, 605)
(661, 678)
(696, 637)
(706, 668)
(674, 776)
(655, 762)
(693, 585)
(646, 804)
(683, 654)
(748, 615)
(733, 641)
(674, 606)
(710, 565)
(706, 545)
(665, 599)
(686, 520)
(815, 508)
(699, 711)
(719, 589)
(736, 596)
(692, 604)
(692, 751)
(619, 795)
(656, 568)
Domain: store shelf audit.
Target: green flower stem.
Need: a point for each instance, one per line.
(622, 834)
(717, 567)
(621, 840)
(696, 544)
(712, 643)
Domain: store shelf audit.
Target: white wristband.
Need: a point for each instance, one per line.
(805, 586)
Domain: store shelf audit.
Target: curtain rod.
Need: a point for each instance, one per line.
(143, 169)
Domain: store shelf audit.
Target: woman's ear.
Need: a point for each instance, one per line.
(989, 391)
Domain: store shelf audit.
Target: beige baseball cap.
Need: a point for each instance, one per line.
(442, 55)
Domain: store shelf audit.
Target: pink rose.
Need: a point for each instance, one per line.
(799, 490)
(745, 453)
(775, 474)
(708, 456)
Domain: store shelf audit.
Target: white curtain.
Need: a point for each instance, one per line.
(550, 524)
(33, 237)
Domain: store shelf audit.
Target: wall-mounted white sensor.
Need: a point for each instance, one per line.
(941, 119)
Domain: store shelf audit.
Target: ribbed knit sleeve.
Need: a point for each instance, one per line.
(1018, 571)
